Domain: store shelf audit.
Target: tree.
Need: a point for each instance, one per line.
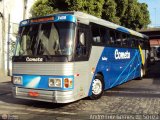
(42, 7)
(121, 7)
(128, 13)
(109, 11)
(145, 18)
(132, 14)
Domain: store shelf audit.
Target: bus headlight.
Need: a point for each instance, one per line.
(55, 82)
(17, 80)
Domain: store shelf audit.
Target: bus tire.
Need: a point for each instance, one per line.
(97, 87)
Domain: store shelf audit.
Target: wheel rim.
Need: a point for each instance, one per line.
(141, 72)
(97, 87)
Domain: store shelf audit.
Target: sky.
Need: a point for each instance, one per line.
(154, 10)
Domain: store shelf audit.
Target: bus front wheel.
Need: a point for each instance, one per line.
(97, 87)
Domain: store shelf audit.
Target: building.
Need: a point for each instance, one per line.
(11, 13)
(154, 36)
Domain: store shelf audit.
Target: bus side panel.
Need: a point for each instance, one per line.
(118, 69)
(85, 72)
(95, 55)
(126, 68)
(81, 79)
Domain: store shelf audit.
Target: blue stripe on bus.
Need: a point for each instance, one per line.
(64, 17)
(115, 75)
(41, 81)
(124, 70)
(123, 30)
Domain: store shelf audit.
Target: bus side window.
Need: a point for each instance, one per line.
(136, 43)
(124, 40)
(96, 34)
(104, 34)
(107, 37)
(118, 39)
(112, 37)
(141, 43)
(131, 41)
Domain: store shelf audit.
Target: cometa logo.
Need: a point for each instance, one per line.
(28, 59)
(121, 55)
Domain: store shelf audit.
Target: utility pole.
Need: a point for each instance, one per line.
(24, 8)
(8, 47)
(2, 55)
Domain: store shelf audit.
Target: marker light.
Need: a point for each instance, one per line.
(76, 75)
(24, 22)
(42, 19)
(68, 83)
(55, 82)
(17, 80)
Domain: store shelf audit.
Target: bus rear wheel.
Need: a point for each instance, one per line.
(142, 73)
(97, 87)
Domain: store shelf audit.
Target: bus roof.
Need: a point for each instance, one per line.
(87, 19)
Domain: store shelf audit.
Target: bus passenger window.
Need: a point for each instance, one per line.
(133, 43)
(97, 39)
(141, 42)
(96, 34)
(112, 37)
(136, 43)
(124, 40)
(104, 34)
(118, 38)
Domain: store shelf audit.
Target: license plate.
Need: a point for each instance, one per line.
(33, 94)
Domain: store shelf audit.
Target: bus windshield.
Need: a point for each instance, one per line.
(46, 39)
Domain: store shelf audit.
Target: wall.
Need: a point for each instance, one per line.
(18, 10)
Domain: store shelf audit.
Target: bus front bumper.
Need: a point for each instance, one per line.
(44, 95)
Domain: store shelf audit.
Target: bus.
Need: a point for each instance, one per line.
(68, 56)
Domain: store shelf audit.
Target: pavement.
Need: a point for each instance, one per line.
(4, 78)
(134, 100)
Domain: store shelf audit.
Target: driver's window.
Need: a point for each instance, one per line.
(81, 38)
(81, 44)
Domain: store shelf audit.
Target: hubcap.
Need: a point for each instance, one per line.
(141, 72)
(97, 87)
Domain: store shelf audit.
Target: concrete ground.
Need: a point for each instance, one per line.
(134, 100)
(4, 78)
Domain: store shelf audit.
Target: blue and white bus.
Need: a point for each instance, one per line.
(65, 57)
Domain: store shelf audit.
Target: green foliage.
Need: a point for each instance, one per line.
(145, 18)
(133, 15)
(41, 8)
(109, 11)
(128, 13)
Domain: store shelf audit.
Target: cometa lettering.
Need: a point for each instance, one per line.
(28, 59)
(122, 55)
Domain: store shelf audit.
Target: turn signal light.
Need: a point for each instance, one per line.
(68, 83)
